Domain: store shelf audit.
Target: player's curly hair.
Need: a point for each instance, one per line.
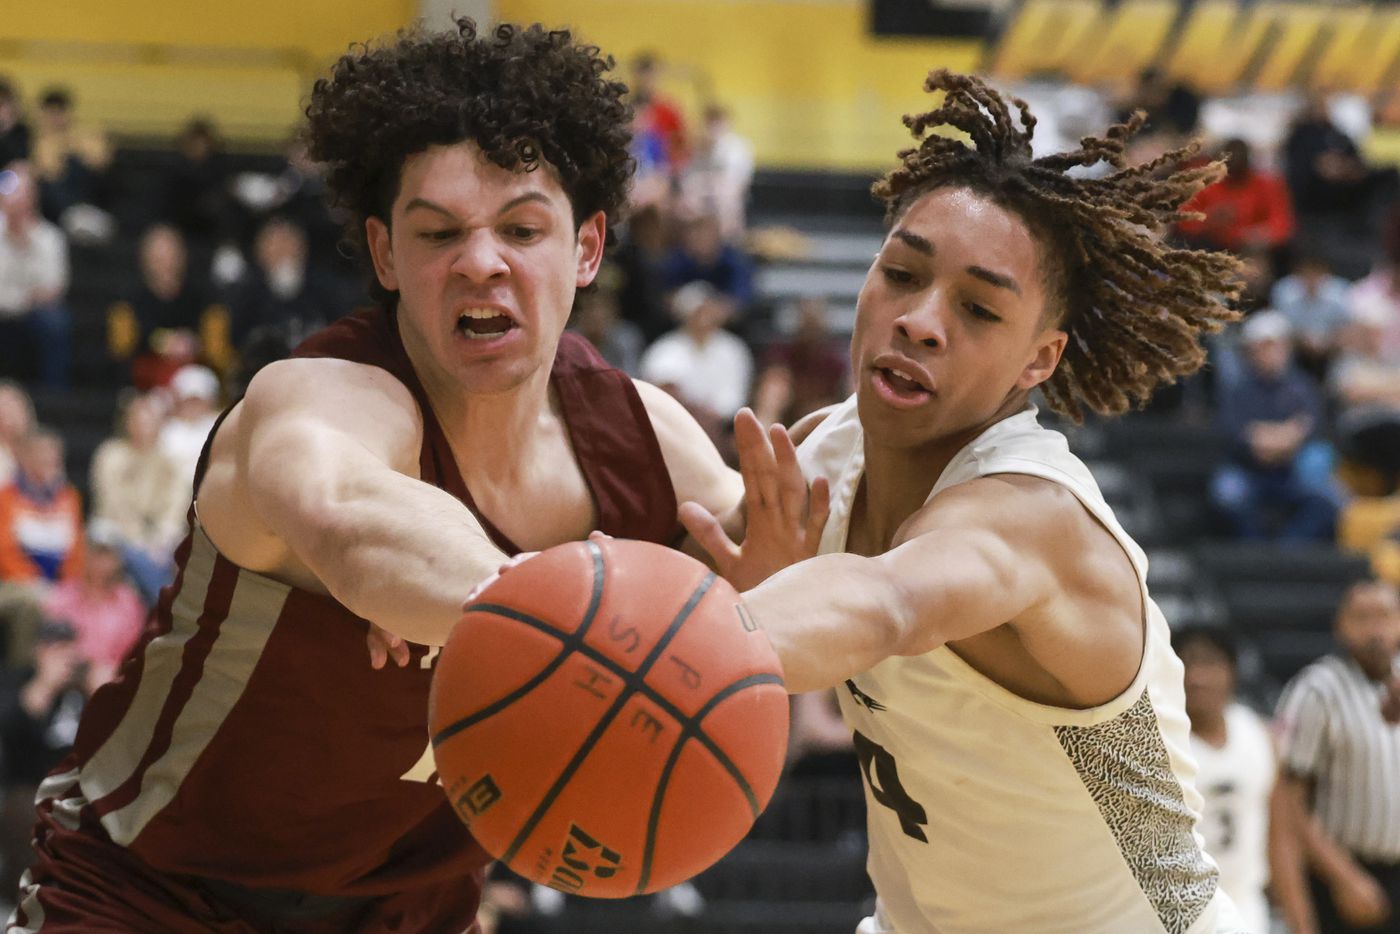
(1133, 305)
(527, 96)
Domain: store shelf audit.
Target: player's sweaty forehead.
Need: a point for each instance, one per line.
(460, 182)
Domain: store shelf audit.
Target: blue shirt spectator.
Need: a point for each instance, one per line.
(703, 256)
(1278, 482)
(1315, 303)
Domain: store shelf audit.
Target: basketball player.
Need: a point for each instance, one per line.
(250, 771)
(1016, 706)
(1236, 763)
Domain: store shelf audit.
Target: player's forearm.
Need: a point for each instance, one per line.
(403, 555)
(829, 618)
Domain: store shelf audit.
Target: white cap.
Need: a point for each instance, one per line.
(1266, 325)
(193, 381)
(691, 296)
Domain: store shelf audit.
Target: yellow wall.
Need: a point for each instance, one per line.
(144, 66)
(803, 78)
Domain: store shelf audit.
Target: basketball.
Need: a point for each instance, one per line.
(607, 719)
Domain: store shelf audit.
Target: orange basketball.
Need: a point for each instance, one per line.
(607, 719)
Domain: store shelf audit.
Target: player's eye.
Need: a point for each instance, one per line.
(522, 232)
(984, 314)
(897, 276)
(437, 236)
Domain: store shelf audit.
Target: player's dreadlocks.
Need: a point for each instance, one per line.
(1134, 307)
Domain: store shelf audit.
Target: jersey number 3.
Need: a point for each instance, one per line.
(882, 775)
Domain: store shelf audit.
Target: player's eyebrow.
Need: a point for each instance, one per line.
(914, 241)
(994, 278)
(425, 204)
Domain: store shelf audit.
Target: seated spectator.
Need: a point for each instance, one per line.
(35, 324)
(703, 255)
(14, 131)
(1326, 172)
(1335, 836)
(1277, 483)
(100, 605)
(1235, 758)
(596, 317)
(640, 255)
(1315, 303)
(703, 365)
(71, 161)
(1377, 296)
(1247, 209)
(41, 536)
(197, 198)
(16, 421)
(282, 288)
(804, 373)
(1172, 107)
(195, 391)
(655, 112)
(160, 327)
(295, 191)
(717, 178)
(1365, 388)
(140, 492)
(40, 706)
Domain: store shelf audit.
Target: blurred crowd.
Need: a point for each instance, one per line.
(227, 268)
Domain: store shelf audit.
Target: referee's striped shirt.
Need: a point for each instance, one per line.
(1331, 731)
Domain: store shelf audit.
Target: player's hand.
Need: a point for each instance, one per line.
(491, 579)
(384, 645)
(784, 516)
(1360, 900)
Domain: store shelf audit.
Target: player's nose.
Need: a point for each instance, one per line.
(926, 323)
(480, 257)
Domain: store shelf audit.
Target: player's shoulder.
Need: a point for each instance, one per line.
(802, 429)
(1022, 502)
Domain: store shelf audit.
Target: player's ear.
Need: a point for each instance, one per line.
(1049, 347)
(591, 235)
(381, 253)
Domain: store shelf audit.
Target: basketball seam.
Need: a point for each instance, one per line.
(686, 722)
(632, 684)
(689, 731)
(565, 649)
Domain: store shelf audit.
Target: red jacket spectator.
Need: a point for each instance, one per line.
(1246, 209)
(41, 516)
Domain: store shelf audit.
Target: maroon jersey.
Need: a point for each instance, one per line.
(248, 741)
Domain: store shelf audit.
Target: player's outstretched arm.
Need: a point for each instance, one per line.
(970, 561)
(328, 453)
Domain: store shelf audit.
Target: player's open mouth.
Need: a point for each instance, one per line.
(483, 324)
(899, 383)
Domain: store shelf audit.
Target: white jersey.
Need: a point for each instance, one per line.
(989, 813)
(1235, 780)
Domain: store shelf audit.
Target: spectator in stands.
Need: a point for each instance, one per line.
(706, 367)
(1314, 301)
(1377, 296)
(703, 254)
(655, 112)
(596, 317)
(1335, 838)
(195, 391)
(1235, 757)
(161, 326)
(804, 373)
(639, 258)
(1326, 172)
(41, 536)
(719, 174)
(14, 130)
(297, 192)
(139, 491)
(198, 199)
(1365, 387)
(40, 706)
(16, 421)
(71, 160)
(1172, 107)
(1277, 482)
(282, 287)
(35, 324)
(1247, 209)
(106, 612)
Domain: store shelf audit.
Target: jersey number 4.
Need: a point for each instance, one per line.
(882, 775)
